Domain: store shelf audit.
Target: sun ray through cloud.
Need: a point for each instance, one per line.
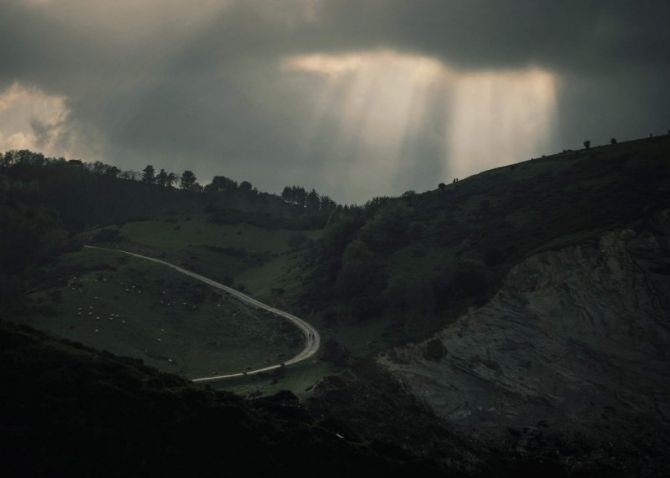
(376, 102)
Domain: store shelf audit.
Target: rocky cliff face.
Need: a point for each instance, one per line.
(576, 342)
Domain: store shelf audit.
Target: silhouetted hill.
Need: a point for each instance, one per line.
(88, 196)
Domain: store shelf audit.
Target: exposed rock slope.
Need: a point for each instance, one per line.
(576, 341)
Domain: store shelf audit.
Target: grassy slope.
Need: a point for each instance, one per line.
(139, 309)
(175, 323)
(547, 202)
(453, 246)
(250, 256)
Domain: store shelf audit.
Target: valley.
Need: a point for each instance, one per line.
(519, 312)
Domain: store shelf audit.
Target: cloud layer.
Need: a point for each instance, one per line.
(356, 98)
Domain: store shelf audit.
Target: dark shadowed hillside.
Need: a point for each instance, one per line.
(88, 195)
(422, 259)
(70, 411)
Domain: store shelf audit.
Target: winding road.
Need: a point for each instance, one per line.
(312, 338)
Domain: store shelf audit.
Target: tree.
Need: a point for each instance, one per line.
(295, 195)
(387, 227)
(28, 237)
(441, 186)
(171, 180)
(149, 175)
(98, 167)
(245, 186)
(361, 275)
(587, 144)
(613, 141)
(188, 181)
(161, 178)
(327, 204)
(312, 201)
(300, 196)
(129, 175)
(220, 184)
(112, 171)
(103, 169)
(434, 350)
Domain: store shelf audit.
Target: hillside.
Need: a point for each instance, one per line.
(226, 230)
(513, 320)
(572, 348)
(71, 411)
(417, 262)
(89, 195)
(527, 305)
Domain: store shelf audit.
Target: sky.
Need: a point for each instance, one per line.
(356, 98)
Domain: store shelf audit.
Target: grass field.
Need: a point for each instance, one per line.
(135, 308)
(251, 258)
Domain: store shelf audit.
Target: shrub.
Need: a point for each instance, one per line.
(467, 280)
(434, 350)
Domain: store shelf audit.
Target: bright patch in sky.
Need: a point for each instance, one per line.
(385, 102)
(32, 119)
(499, 118)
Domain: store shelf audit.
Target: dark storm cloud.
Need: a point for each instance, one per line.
(485, 33)
(163, 83)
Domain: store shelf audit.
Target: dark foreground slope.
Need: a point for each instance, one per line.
(70, 411)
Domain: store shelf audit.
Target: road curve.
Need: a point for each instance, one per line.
(312, 338)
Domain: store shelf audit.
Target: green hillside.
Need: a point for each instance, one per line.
(392, 271)
(411, 264)
(229, 232)
(137, 309)
(370, 278)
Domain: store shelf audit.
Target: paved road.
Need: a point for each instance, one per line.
(312, 338)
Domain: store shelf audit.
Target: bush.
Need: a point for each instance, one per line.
(434, 350)
(410, 295)
(467, 280)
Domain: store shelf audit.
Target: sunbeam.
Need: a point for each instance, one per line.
(497, 118)
(381, 101)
